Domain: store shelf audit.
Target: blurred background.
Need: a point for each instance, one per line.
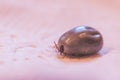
(28, 29)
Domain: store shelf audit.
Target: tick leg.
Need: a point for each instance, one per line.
(56, 46)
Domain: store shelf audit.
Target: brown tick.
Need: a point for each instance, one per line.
(80, 41)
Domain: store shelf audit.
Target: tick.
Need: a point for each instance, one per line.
(80, 41)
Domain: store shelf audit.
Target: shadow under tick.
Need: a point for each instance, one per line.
(84, 58)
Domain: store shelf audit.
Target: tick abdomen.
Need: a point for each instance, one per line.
(81, 40)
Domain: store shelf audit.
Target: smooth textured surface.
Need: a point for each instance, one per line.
(80, 41)
(28, 29)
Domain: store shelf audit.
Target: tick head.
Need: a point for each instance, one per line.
(61, 49)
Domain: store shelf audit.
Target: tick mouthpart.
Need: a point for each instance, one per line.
(61, 49)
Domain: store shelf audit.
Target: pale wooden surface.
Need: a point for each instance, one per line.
(28, 29)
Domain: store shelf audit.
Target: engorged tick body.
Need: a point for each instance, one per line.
(80, 41)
